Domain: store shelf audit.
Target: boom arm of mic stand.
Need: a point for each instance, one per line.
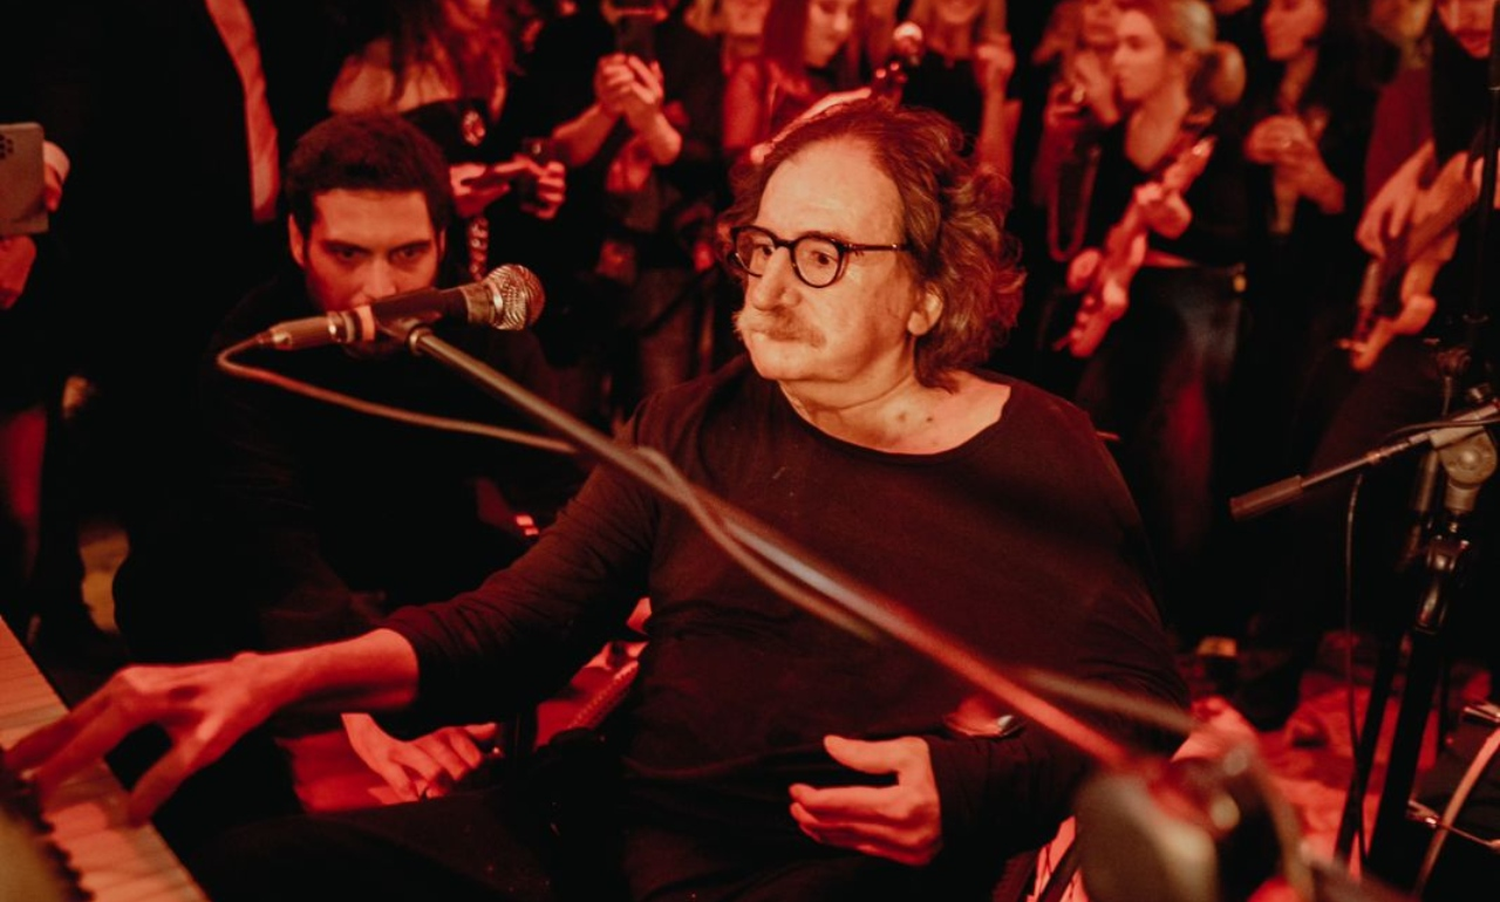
(1278, 494)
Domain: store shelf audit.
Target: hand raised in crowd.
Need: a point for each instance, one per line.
(630, 88)
(551, 189)
(1090, 76)
(1278, 139)
(1164, 210)
(204, 708)
(994, 64)
(477, 185)
(17, 254)
(1303, 168)
(901, 822)
(426, 767)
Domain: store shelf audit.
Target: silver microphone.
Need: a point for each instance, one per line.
(509, 298)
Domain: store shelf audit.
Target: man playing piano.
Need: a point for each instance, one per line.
(762, 753)
(294, 533)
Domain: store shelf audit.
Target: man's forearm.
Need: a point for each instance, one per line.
(373, 672)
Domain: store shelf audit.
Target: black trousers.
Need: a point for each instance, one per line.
(531, 838)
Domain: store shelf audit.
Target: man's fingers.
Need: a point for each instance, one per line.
(882, 757)
(75, 742)
(39, 744)
(868, 842)
(841, 802)
(443, 756)
(163, 778)
(398, 778)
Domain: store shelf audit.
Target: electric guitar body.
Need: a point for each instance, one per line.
(1107, 296)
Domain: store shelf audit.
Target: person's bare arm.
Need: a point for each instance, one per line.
(206, 708)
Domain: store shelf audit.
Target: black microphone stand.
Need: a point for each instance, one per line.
(1396, 839)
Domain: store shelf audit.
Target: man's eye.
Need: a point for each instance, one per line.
(410, 254)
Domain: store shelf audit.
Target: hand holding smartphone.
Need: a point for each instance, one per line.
(23, 205)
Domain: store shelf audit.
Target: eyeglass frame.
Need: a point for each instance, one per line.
(844, 248)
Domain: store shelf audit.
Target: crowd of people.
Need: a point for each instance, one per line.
(1166, 212)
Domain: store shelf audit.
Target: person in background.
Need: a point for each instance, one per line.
(1159, 377)
(1308, 113)
(763, 752)
(1066, 102)
(1437, 113)
(811, 49)
(449, 66)
(964, 69)
(299, 531)
(1080, 104)
(738, 25)
(40, 567)
(176, 117)
(634, 100)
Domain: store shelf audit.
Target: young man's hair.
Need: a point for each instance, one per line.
(367, 152)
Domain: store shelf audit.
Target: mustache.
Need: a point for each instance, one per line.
(775, 326)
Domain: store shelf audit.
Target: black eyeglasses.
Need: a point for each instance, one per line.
(817, 260)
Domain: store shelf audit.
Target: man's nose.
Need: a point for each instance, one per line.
(380, 280)
(777, 284)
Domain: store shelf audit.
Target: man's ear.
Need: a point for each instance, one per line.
(926, 314)
(297, 242)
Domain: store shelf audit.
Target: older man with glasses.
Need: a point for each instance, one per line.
(763, 753)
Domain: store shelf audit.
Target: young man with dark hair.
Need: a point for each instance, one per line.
(310, 522)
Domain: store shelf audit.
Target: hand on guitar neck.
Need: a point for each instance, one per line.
(1419, 236)
(1104, 274)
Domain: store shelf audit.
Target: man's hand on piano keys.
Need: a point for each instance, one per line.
(204, 709)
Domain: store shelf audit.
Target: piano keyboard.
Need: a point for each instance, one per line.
(114, 862)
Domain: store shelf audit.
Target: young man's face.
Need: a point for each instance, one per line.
(366, 245)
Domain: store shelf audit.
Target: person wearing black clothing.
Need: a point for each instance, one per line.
(309, 522)
(641, 139)
(764, 753)
(449, 67)
(1307, 119)
(1158, 379)
(1407, 383)
(176, 115)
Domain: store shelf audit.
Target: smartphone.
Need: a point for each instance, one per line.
(541, 152)
(635, 33)
(23, 206)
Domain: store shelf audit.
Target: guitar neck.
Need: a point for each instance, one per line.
(1416, 242)
(1131, 226)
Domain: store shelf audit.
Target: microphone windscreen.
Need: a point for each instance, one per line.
(516, 296)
